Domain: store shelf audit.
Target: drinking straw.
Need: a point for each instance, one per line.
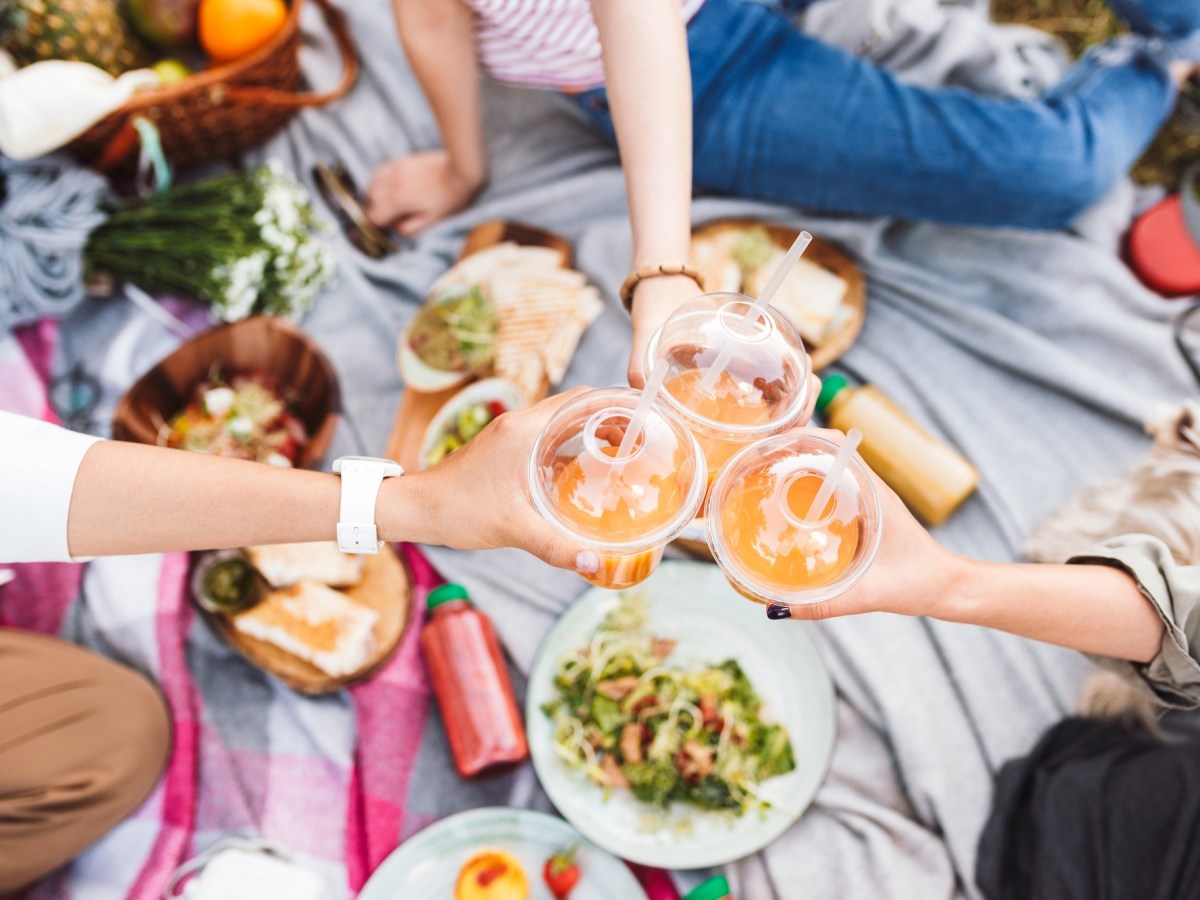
(634, 429)
(834, 475)
(803, 239)
(828, 486)
(657, 376)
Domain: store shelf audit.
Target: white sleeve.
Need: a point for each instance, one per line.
(38, 464)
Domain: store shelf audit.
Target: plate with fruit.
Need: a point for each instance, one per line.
(497, 853)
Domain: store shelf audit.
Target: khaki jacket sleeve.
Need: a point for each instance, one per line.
(1174, 590)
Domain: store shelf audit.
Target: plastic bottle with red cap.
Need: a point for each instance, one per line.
(471, 683)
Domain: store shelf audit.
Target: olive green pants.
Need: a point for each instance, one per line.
(82, 743)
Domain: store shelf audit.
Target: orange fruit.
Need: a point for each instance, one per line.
(231, 29)
(491, 875)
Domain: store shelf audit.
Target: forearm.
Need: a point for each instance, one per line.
(1093, 609)
(438, 37)
(133, 499)
(649, 92)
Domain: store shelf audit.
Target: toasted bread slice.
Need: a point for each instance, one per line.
(811, 296)
(286, 564)
(316, 623)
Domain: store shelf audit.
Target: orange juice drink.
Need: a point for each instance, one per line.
(628, 509)
(759, 531)
(761, 387)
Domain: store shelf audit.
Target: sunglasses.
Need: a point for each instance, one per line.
(339, 192)
(1188, 110)
(1187, 325)
(1187, 338)
(74, 396)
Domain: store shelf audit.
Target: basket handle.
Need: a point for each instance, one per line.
(125, 141)
(266, 96)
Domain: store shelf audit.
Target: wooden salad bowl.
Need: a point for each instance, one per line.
(261, 344)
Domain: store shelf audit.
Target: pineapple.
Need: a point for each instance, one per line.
(92, 31)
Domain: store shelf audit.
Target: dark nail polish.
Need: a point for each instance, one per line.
(778, 611)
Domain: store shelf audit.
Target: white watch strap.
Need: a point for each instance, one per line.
(356, 530)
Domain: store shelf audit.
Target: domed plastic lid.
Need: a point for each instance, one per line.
(581, 486)
(762, 383)
(761, 532)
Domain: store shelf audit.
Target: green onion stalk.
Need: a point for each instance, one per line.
(245, 243)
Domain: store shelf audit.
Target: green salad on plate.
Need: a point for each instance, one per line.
(629, 719)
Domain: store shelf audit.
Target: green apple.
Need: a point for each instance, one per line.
(170, 71)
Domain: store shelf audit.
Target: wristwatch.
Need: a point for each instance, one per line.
(361, 478)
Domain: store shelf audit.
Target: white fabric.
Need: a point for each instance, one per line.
(48, 104)
(38, 464)
(543, 43)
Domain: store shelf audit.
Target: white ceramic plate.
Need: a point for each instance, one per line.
(693, 603)
(480, 392)
(426, 866)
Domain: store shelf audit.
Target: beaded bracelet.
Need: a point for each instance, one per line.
(654, 270)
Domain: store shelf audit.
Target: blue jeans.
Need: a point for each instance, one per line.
(781, 116)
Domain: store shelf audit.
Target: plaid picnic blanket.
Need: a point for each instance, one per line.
(1036, 353)
(250, 757)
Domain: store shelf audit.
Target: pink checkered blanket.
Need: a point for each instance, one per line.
(330, 778)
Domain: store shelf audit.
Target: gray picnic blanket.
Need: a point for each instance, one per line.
(1037, 354)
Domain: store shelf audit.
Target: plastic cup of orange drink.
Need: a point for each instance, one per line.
(628, 509)
(762, 388)
(760, 537)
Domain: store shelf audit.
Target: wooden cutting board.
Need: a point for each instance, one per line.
(417, 409)
(386, 587)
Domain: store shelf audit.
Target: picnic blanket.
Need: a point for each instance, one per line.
(1037, 354)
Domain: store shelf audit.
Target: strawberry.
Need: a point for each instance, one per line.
(561, 873)
(496, 408)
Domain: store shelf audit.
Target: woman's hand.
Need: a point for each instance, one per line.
(478, 498)
(911, 574)
(654, 299)
(410, 193)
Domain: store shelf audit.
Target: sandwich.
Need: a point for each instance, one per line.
(286, 564)
(315, 623)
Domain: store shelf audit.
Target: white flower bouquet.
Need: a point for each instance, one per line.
(247, 242)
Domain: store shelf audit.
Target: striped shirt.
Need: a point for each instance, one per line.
(543, 43)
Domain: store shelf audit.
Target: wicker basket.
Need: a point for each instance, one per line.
(217, 113)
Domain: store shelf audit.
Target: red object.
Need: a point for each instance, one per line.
(470, 681)
(561, 874)
(497, 409)
(655, 882)
(1162, 251)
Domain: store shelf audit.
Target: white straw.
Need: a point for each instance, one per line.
(709, 380)
(834, 475)
(634, 430)
(803, 239)
(657, 376)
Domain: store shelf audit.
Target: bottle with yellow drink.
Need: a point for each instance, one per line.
(622, 485)
(737, 373)
(767, 534)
